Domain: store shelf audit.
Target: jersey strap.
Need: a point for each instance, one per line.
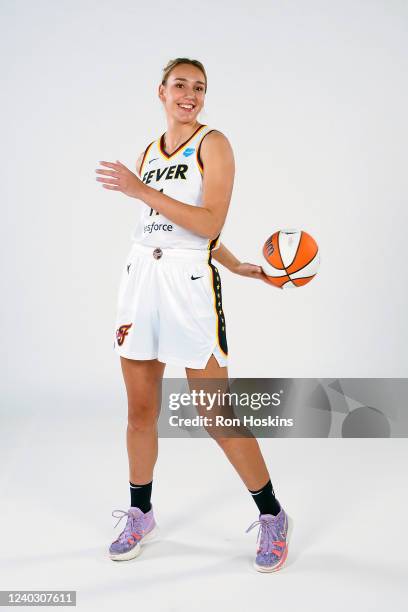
(199, 160)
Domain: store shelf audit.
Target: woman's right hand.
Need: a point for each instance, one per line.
(251, 270)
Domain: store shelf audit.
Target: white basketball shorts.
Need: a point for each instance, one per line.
(170, 308)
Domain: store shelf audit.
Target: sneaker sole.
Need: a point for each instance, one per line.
(278, 566)
(135, 552)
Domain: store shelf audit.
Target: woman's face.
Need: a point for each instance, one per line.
(184, 92)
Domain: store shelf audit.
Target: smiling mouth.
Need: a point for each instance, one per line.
(187, 107)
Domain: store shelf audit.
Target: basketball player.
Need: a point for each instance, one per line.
(170, 304)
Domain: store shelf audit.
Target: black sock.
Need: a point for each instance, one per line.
(265, 500)
(140, 496)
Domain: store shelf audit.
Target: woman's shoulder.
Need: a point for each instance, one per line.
(215, 149)
(214, 139)
(214, 133)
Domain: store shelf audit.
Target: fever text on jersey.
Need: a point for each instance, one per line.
(169, 172)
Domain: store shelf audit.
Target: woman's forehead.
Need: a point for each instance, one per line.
(187, 72)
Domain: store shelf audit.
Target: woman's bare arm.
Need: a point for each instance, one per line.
(206, 220)
(127, 182)
(229, 261)
(218, 178)
(225, 258)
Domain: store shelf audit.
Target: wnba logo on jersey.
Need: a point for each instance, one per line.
(122, 332)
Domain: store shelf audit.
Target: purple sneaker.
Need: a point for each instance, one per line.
(139, 529)
(273, 537)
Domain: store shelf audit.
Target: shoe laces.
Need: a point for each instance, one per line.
(134, 525)
(267, 535)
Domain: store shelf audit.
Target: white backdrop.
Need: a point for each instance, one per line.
(313, 98)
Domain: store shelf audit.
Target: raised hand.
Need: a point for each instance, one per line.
(120, 178)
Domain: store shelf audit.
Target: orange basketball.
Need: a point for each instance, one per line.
(291, 258)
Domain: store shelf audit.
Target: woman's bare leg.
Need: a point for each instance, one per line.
(143, 386)
(243, 453)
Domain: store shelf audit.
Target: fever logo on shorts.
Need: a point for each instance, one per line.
(122, 332)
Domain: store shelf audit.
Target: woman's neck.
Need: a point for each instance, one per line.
(177, 133)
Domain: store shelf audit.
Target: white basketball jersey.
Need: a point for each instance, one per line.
(179, 176)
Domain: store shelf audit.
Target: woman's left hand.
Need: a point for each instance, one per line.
(120, 178)
(247, 269)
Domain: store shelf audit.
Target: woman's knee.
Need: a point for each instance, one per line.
(142, 416)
